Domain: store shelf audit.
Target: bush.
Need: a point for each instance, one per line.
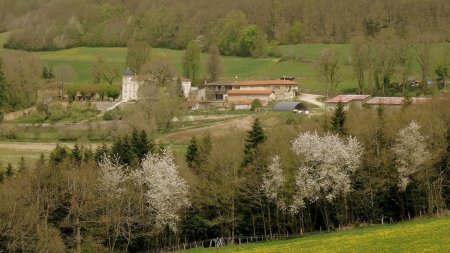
(113, 92)
(256, 103)
(57, 112)
(112, 115)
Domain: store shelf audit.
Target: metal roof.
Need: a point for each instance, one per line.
(288, 106)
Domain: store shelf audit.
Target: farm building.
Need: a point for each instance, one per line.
(394, 102)
(348, 100)
(289, 106)
(217, 91)
(282, 89)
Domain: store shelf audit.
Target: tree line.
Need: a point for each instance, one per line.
(297, 176)
(237, 27)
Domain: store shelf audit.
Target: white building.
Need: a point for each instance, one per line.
(186, 85)
(130, 86)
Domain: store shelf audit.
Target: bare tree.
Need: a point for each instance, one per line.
(328, 67)
(423, 56)
(138, 53)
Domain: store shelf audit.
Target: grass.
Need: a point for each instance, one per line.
(82, 58)
(425, 235)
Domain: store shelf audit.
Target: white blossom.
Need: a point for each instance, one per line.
(164, 190)
(273, 182)
(326, 165)
(111, 177)
(410, 152)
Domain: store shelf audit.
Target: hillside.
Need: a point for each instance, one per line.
(427, 235)
(296, 60)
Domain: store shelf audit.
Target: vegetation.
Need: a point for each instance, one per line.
(430, 232)
(275, 178)
(62, 25)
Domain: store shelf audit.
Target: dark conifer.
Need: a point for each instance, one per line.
(192, 152)
(338, 120)
(254, 138)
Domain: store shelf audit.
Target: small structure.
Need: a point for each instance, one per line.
(289, 107)
(217, 91)
(394, 102)
(348, 100)
(130, 86)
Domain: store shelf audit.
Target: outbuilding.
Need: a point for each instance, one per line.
(289, 107)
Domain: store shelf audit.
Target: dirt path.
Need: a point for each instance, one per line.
(311, 98)
(217, 129)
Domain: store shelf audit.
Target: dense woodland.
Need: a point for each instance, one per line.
(173, 24)
(348, 168)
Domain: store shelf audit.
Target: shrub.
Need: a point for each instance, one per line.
(256, 103)
(57, 112)
(112, 114)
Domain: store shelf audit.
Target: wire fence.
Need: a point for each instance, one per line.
(222, 241)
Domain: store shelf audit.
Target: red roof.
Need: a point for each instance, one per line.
(249, 92)
(394, 100)
(347, 98)
(248, 102)
(265, 82)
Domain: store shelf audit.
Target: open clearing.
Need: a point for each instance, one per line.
(426, 235)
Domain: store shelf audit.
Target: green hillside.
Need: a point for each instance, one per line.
(427, 235)
(301, 65)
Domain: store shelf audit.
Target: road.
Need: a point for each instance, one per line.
(311, 98)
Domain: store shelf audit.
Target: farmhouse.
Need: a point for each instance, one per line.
(217, 91)
(282, 89)
(348, 100)
(394, 102)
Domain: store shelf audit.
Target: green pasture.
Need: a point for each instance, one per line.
(425, 235)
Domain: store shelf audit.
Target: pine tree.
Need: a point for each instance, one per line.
(9, 170)
(100, 153)
(22, 165)
(338, 120)
(76, 155)
(58, 155)
(255, 137)
(3, 99)
(145, 145)
(192, 152)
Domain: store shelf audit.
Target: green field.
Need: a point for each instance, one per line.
(302, 67)
(426, 235)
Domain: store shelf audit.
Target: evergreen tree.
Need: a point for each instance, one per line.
(88, 155)
(254, 138)
(338, 120)
(145, 145)
(3, 98)
(192, 152)
(100, 152)
(9, 170)
(76, 155)
(22, 165)
(2, 175)
(58, 155)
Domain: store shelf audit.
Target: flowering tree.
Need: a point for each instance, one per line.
(326, 165)
(411, 153)
(164, 190)
(111, 177)
(112, 184)
(273, 182)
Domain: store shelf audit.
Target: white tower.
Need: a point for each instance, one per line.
(127, 86)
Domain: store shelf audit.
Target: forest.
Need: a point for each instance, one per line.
(62, 24)
(343, 169)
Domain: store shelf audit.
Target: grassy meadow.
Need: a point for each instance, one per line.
(426, 235)
(296, 60)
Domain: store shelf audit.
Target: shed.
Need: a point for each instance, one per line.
(289, 106)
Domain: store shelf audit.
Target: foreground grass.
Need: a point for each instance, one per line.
(426, 235)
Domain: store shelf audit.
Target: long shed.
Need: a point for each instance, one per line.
(288, 106)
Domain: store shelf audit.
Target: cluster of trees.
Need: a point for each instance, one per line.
(304, 176)
(384, 63)
(62, 24)
(19, 79)
(70, 202)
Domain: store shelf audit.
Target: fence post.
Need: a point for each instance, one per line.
(239, 241)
